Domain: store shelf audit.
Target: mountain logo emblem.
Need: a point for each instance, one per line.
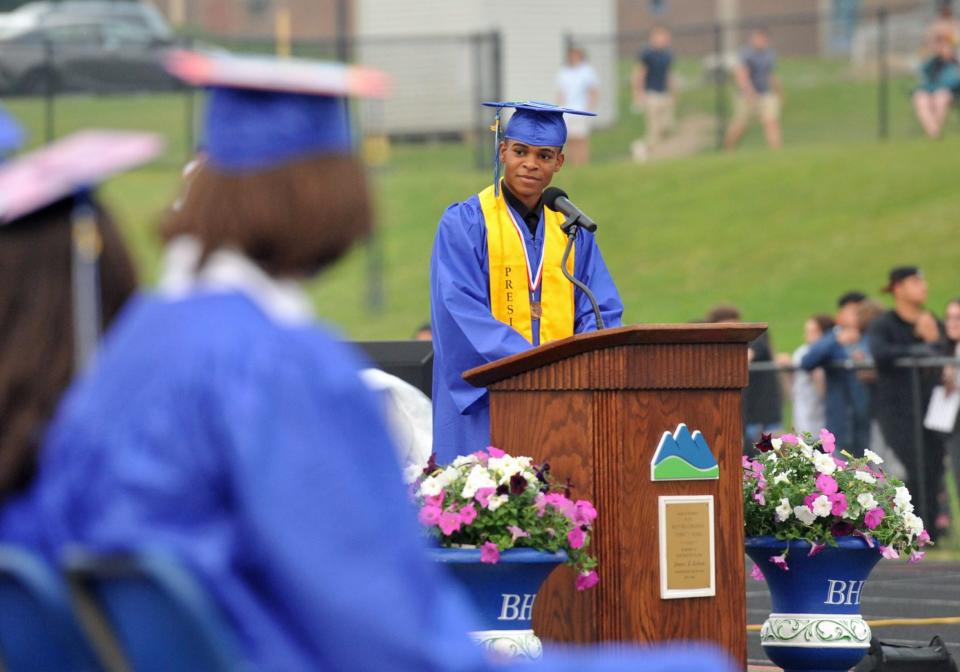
(682, 456)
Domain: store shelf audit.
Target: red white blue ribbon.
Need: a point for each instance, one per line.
(532, 279)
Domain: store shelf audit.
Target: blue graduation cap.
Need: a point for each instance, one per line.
(73, 166)
(11, 135)
(263, 111)
(534, 123)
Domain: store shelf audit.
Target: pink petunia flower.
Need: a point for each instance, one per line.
(810, 499)
(756, 574)
(889, 552)
(576, 537)
(780, 561)
(826, 484)
(866, 537)
(789, 438)
(588, 580)
(516, 532)
(873, 517)
(489, 553)
(483, 496)
(468, 514)
(815, 548)
(585, 513)
(435, 500)
(482, 456)
(746, 462)
(429, 515)
(449, 522)
(923, 538)
(495, 452)
(759, 498)
(828, 441)
(839, 503)
(562, 504)
(917, 556)
(841, 464)
(540, 501)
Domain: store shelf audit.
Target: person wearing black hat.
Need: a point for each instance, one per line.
(848, 401)
(909, 330)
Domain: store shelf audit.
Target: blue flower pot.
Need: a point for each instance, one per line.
(503, 594)
(816, 624)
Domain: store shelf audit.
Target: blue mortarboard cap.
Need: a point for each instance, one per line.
(11, 135)
(263, 111)
(536, 123)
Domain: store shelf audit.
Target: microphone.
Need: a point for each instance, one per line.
(556, 198)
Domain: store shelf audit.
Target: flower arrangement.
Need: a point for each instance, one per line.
(493, 501)
(800, 488)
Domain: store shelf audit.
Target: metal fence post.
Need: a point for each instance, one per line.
(343, 31)
(49, 92)
(917, 403)
(883, 75)
(476, 45)
(720, 81)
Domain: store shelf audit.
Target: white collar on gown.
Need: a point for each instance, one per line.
(283, 300)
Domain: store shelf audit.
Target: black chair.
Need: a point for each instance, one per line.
(160, 617)
(37, 626)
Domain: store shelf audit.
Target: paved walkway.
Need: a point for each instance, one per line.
(895, 590)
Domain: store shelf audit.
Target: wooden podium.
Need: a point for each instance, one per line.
(595, 406)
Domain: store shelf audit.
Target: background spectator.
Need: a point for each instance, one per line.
(848, 403)
(578, 87)
(808, 388)
(652, 91)
(951, 380)
(424, 332)
(909, 330)
(759, 91)
(762, 400)
(939, 81)
(945, 25)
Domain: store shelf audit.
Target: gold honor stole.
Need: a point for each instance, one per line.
(513, 278)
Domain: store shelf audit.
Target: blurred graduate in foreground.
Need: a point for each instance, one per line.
(222, 425)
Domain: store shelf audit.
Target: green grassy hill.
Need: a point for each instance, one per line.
(779, 234)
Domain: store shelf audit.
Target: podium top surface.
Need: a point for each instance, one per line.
(636, 334)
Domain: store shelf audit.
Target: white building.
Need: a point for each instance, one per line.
(441, 55)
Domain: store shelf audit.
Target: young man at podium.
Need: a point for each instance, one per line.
(496, 283)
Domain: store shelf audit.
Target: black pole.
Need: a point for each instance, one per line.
(883, 74)
(917, 403)
(480, 144)
(343, 38)
(720, 80)
(49, 93)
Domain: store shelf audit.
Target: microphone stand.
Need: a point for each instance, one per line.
(571, 226)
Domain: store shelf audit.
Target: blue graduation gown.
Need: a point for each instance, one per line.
(465, 333)
(254, 453)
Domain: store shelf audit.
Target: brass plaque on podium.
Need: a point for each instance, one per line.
(687, 549)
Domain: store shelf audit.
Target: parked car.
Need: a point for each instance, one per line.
(84, 46)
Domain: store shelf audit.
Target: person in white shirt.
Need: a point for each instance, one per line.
(578, 87)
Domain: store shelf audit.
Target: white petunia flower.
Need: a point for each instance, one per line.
(806, 450)
(913, 523)
(478, 478)
(804, 514)
(462, 460)
(783, 511)
(780, 478)
(822, 506)
(448, 476)
(824, 463)
(866, 500)
(430, 487)
(864, 476)
(496, 501)
(872, 456)
(776, 443)
(902, 497)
